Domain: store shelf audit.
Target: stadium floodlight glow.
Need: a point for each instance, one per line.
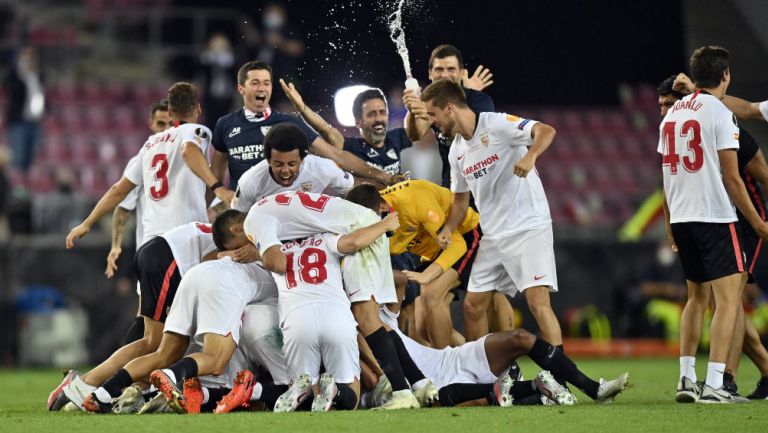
(342, 103)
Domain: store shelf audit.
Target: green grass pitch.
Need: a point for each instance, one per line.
(647, 406)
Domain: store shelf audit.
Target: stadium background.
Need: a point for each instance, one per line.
(589, 68)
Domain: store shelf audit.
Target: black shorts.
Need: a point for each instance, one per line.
(407, 262)
(751, 244)
(709, 251)
(158, 277)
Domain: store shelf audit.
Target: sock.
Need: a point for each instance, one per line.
(102, 395)
(115, 384)
(729, 382)
(559, 379)
(383, 348)
(715, 374)
(183, 369)
(522, 389)
(257, 390)
(206, 395)
(171, 375)
(688, 367)
(135, 331)
(214, 395)
(410, 370)
(457, 393)
(345, 399)
(553, 359)
(270, 393)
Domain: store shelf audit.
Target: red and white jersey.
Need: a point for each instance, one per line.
(189, 244)
(135, 201)
(691, 134)
(173, 194)
(313, 274)
(485, 165)
(297, 215)
(316, 174)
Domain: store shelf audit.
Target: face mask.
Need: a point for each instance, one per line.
(665, 256)
(273, 21)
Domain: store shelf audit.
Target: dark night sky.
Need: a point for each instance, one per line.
(567, 52)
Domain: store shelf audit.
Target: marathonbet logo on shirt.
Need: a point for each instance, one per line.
(481, 168)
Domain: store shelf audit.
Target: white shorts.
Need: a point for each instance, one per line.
(261, 341)
(321, 333)
(514, 263)
(368, 272)
(210, 299)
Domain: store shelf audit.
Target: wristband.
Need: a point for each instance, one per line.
(215, 185)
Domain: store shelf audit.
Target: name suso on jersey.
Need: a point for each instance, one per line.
(175, 195)
(692, 133)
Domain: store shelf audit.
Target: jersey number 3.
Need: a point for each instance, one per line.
(692, 131)
(311, 267)
(160, 188)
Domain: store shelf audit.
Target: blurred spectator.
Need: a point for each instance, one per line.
(5, 194)
(216, 70)
(397, 109)
(279, 44)
(62, 209)
(26, 105)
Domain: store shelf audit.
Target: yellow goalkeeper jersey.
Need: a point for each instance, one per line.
(422, 208)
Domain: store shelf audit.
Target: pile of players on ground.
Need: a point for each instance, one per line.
(258, 310)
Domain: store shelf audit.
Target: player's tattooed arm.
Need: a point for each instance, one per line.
(108, 201)
(325, 129)
(361, 238)
(119, 221)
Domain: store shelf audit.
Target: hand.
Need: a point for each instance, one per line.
(481, 79)
(75, 234)
(397, 178)
(391, 222)
(112, 257)
(443, 239)
(762, 230)
(225, 195)
(293, 95)
(419, 277)
(246, 254)
(672, 243)
(683, 84)
(414, 105)
(524, 165)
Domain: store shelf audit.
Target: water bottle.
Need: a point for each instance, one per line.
(412, 84)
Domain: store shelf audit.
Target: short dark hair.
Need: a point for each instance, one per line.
(285, 137)
(708, 65)
(220, 227)
(366, 195)
(363, 97)
(443, 51)
(443, 92)
(242, 73)
(182, 98)
(666, 88)
(159, 105)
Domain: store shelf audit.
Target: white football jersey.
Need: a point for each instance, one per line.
(134, 201)
(485, 165)
(313, 273)
(316, 174)
(691, 134)
(189, 244)
(297, 215)
(173, 194)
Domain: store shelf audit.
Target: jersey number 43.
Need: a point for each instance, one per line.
(691, 131)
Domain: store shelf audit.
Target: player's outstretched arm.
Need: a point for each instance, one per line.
(543, 135)
(108, 201)
(119, 221)
(325, 129)
(196, 162)
(351, 163)
(743, 109)
(361, 238)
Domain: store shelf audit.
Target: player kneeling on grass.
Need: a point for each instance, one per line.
(208, 307)
(318, 326)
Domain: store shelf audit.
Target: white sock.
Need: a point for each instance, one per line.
(103, 395)
(420, 384)
(257, 390)
(688, 367)
(170, 374)
(715, 374)
(206, 395)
